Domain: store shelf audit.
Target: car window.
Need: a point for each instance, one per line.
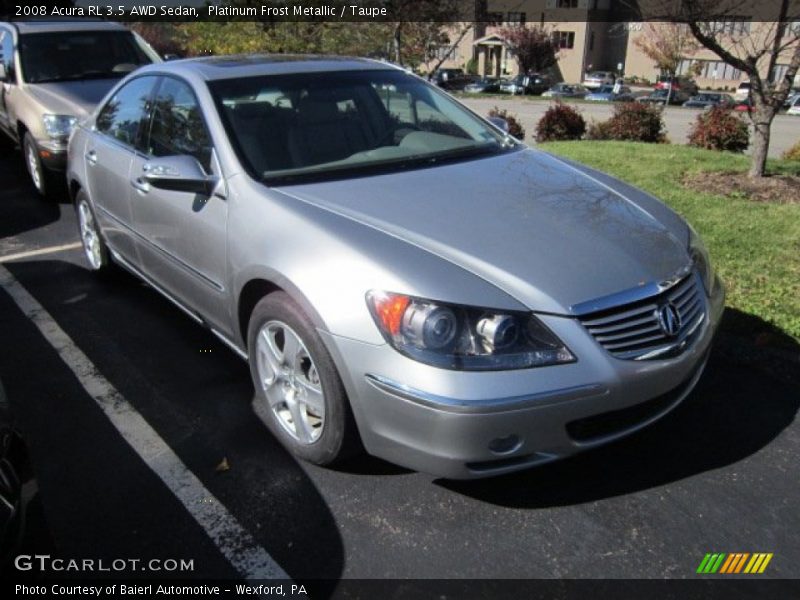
(7, 54)
(177, 126)
(329, 124)
(79, 55)
(122, 116)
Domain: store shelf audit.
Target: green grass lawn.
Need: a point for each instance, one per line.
(755, 247)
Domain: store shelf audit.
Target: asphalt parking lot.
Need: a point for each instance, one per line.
(678, 121)
(719, 474)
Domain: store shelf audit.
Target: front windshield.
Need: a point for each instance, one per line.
(76, 55)
(311, 125)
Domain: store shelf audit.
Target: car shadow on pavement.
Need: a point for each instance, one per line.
(189, 387)
(735, 411)
(21, 208)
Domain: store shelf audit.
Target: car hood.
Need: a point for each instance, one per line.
(77, 98)
(533, 225)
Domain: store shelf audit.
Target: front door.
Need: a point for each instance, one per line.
(183, 234)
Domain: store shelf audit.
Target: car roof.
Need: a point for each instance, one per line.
(252, 65)
(64, 25)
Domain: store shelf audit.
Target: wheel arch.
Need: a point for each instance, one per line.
(259, 283)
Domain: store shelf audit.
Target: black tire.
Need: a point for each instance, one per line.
(43, 180)
(101, 262)
(338, 439)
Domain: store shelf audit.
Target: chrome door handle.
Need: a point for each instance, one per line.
(140, 185)
(91, 157)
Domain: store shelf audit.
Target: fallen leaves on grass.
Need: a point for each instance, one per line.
(778, 189)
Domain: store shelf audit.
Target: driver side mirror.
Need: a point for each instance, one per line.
(179, 174)
(500, 123)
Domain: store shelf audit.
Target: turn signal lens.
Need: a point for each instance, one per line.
(390, 308)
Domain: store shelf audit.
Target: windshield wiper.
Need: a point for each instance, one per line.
(83, 76)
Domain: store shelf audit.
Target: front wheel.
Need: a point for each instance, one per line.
(298, 392)
(38, 174)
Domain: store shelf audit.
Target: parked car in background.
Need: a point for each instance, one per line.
(742, 91)
(485, 85)
(745, 105)
(794, 109)
(452, 79)
(241, 188)
(709, 100)
(52, 73)
(790, 99)
(661, 97)
(598, 79)
(677, 83)
(533, 84)
(607, 94)
(566, 90)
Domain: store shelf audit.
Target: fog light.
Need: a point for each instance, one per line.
(505, 445)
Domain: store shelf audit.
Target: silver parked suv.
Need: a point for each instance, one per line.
(53, 73)
(393, 266)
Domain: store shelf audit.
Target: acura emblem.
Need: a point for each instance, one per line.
(669, 319)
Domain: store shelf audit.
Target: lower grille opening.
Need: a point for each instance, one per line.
(615, 422)
(487, 466)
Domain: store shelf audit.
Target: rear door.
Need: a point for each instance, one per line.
(184, 234)
(109, 152)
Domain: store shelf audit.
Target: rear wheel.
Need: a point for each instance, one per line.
(298, 392)
(94, 247)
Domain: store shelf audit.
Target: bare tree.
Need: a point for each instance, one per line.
(751, 45)
(532, 45)
(667, 44)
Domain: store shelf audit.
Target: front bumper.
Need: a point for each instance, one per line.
(463, 425)
(52, 154)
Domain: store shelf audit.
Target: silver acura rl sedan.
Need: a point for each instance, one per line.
(401, 274)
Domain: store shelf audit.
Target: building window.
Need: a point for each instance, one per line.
(735, 26)
(778, 73)
(709, 69)
(567, 4)
(515, 18)
(494, 18)
(564, 39)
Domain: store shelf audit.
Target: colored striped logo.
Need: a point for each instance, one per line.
(736, 562)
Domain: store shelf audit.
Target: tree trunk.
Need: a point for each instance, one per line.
(397, 44)
(761, 117)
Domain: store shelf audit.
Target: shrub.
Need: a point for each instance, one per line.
(793, 153)
(598, 130)
(631, 121)
(514, 127)
(636, 122)
(560, 122)
(719, 129)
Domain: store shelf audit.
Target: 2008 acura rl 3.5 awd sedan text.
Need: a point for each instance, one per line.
(395, 269)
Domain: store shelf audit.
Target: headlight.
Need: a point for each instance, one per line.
(699, 254)
(59, 126)
(464, 337)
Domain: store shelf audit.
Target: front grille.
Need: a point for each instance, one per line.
(634, 332)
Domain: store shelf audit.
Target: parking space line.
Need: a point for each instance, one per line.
(232, 540)
(40, 251)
